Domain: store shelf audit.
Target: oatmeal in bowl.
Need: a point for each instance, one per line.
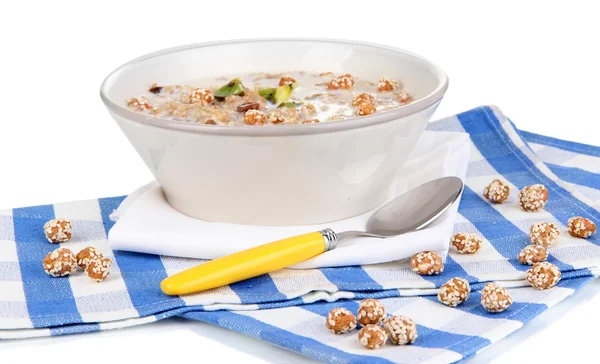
(275, 132)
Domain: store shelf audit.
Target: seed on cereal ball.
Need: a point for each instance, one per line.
(532, 254)
(58, 230)
(341, 82)
(427, 263)
(254, 117)
(201, 96)
(543, 234)
(365, 109)
(497, 191)
(580, 227)
(401, 330)
(543, 275)
(286, 81)
(98, 269)
(466, 243)
(533, 198)
(370, 311)
(454, 292)
(60, 263)
(362, 98)
(275, 117)
(385, 85)
(340, 321)
(85, 256)
(495, 298)
(372, 336)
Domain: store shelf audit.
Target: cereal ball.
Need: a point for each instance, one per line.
(454, 292)
(497, 191)
(543, 275)
(580, 227)
(403, 97)
(139, 104)
(275, 117)
(533, 198)
(310, 121)
(254, 117)
(372, 337)
(365, 109)
(98, 269)
(466, 243)
(286, 81)
(495, 298)
(385, 85)
(60, 263)
(370, 311)
(532, 254)
(401, 330)
(85, 256)
(58, 230)
(543, 234)
(201, 96)
(362, 98)
(344, 82)
(340, 321)
(427, 263)
(308, 110)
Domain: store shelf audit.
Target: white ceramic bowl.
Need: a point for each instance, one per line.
(279, 174)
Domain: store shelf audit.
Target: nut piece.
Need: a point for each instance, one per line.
(85, 256)
(139, 104)
(543, 234)
(427, 263)
(401, 330)
(365, 109)
(98, 269)
(454, 292)
(309, 121)
(275, 117)
(340, 321)
(370, 311)
(254, 117)
(372, 337)
(201, 96)
(362, 98)
(532, 254)
(497, 191)
(495, 298)
(58, 230)
(404, 97)
(210, 122)
(155, 89)
(466, 243)
(286, 81)
(60, 263)
(385, 85)
(580, 227)
(344, 82)
(248, 106)
(543, 275)
(533, 198)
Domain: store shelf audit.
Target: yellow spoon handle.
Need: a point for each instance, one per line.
(249, 263)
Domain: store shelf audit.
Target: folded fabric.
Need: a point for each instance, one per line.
(147, 224)
(288, 307)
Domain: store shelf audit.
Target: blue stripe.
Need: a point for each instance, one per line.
(353, 278)
(50, 300)
(247, 290)
(576, 175)
(574, 147)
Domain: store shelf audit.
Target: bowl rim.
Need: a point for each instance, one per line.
(247, 130)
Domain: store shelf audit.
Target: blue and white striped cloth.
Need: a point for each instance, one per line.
(288, 307)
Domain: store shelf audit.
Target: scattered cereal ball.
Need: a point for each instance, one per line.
(139, 104)
(404, 97)
(365, 109)
(201, 96)
(386, 84)
(495, 298)
(286, 81)
(401, 330)
(454, 292)
(370, 311)
(275, 117)
(58, 230)
(532, 254)
(580, 227)
(308, 110)
(466, 243)
(533, 198)
(98, 269)
(344, 82)
(427, 263)
(85, 256)
(60, 263)
(362, 98)
(309, 121)
(543, 234)
(254, 117)
(543, 275)
(497, 191)
(372, 337)
(340, 321)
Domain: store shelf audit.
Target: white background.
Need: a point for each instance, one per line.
(538, 61)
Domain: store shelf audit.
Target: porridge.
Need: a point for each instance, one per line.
(265, 99)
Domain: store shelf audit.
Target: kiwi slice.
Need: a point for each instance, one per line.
(279, 94)
(233, 87)
(267, 93)
(290, 104)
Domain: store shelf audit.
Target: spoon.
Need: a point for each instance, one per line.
(409, 212)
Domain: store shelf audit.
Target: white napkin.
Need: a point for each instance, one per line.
(147, 224)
